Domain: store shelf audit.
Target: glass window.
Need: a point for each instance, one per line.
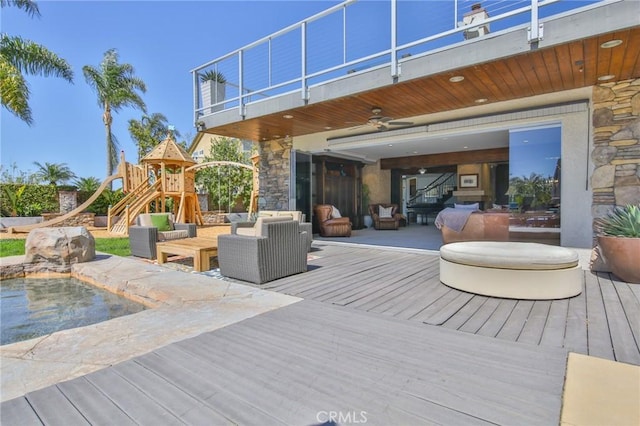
(534, 182)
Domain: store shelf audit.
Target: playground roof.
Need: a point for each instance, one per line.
(169, 152)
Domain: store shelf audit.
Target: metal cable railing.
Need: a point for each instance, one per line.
(339, 41)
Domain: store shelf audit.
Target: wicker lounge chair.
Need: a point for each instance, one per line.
(144, 235)
(280, 251)
(249, 228)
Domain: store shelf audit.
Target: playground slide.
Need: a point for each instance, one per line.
(78, 210)
(136, 201)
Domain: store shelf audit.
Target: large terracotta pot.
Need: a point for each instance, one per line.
(623, 256)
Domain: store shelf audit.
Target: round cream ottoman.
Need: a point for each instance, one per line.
(511, 269)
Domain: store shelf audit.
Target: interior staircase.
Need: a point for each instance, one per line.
(433, 197)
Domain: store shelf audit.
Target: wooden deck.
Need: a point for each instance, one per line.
(378, 338)
(603, 321)
(298, 364)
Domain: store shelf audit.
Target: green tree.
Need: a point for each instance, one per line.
(227, 184)
(149, 132)
(14, 199)
(117, 87)
(54, 173)
(90, 184)
(531, 192)
(19, 57)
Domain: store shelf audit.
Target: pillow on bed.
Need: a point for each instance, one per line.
(475, 206)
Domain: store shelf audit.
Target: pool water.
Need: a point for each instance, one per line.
(33, 307)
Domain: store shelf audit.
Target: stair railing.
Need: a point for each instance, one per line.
(435, 190)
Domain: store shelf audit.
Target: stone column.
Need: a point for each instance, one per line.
(203, 200)
(274, 175)
(68, 201)
(616, 152)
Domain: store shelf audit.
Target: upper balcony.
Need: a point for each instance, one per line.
(331, 69)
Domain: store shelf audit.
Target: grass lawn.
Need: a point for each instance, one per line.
(115, 246)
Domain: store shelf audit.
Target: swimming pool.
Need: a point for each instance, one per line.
(33, 307)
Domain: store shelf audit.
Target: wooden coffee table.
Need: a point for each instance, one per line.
(200, 248)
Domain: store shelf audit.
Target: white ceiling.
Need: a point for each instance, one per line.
(397, 146)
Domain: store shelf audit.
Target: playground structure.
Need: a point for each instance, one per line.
(167, 172)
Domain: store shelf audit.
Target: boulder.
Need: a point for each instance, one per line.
(60, 246)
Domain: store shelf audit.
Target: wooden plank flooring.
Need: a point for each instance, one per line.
(377, 334)
(297, 363)
(603, 321)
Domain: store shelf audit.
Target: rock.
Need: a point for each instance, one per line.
(603, 155)
(603, 177)
(628, 194)
(60, 246)
(602, 117)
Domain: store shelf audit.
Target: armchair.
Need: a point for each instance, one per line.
(286, 214)
(279, 251)
(151, 228)
(330, 226)
(389, 221)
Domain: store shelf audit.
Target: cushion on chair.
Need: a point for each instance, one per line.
(385, 212)
(258, 228)
(172, 235)
(291, 214)
(335, 213)
(162, 222)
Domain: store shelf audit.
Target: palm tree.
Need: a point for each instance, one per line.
(90, 184)
(149, 132)
(116, 86)
(18, 57)
(54, 172)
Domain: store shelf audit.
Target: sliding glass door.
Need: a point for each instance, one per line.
(534, 183)
(300, 186)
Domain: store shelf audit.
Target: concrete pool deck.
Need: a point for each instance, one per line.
(182, 306)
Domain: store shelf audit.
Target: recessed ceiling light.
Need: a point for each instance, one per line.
(606, 77)
(287, 116)
(390, 144)
(611, 43)
(456, 79)
(328, 127)
(465, 147)
(481, 100)
(415, 152)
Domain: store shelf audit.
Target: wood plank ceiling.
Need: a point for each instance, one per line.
(537, 72)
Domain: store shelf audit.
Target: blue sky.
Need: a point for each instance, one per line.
(163, 40)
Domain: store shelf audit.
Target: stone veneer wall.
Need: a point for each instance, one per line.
(68, 201)
(81, 219)
(616, 153)
(274, 175)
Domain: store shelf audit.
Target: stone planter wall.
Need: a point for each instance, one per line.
(616, 153)
(213, 217)
(616, 146)
(82, 219)
(68, 201)
(274, 175)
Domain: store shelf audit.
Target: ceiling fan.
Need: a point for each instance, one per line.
(380, 122)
